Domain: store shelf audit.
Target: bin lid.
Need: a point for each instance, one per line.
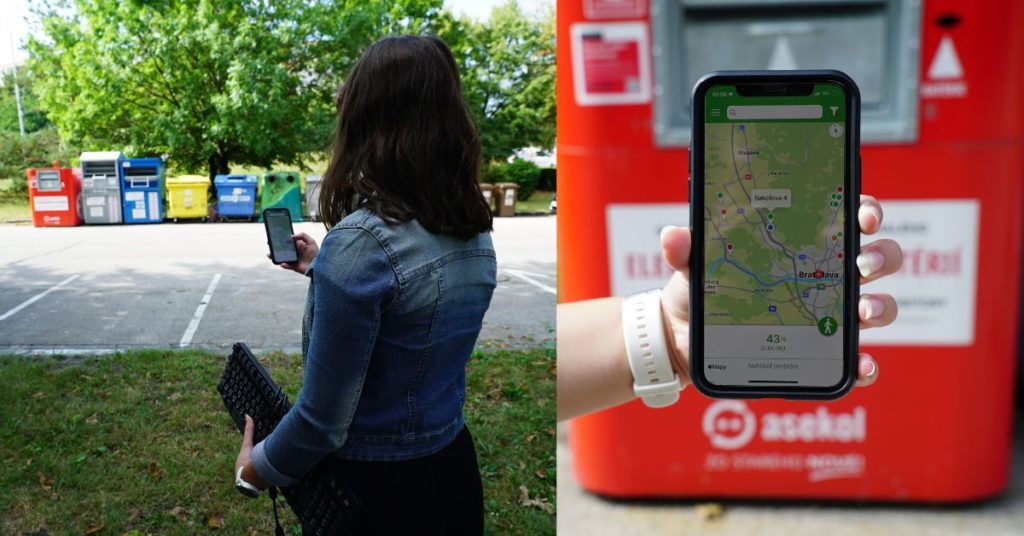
(92, 156)
(143, 161)
(188, 179)
(282, 172)
(506, 185)
(222, 179)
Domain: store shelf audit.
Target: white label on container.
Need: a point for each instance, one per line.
(49, 203)
(134, 196)
(936, 289)
(154, 206)
(138, 213)
(96, 212)
(510, 197)
(95, 200)
(634, 244)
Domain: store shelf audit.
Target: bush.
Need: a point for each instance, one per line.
(522, 172)
(38, 149)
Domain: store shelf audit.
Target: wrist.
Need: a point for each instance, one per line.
(679, 361)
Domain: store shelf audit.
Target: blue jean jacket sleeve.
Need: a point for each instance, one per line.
(353, 281)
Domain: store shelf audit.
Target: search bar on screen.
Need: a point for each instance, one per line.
(791, 111)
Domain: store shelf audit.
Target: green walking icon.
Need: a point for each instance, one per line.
(827, 326)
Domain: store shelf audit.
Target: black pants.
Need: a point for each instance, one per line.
(437, 494)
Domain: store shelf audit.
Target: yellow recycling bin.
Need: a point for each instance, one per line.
(187, 197)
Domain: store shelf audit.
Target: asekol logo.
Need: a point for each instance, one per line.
(946, 73)
(729, 425)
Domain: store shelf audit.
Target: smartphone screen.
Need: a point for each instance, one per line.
(775, 257)
(279, 235)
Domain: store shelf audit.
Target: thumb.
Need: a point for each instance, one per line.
(250, 426)
(675, 246)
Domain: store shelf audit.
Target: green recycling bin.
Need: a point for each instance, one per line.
(280, 189)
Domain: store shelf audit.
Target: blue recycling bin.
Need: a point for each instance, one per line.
(236, 196)
(142, 181)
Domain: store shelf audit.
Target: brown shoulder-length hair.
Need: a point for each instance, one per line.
(406, 145)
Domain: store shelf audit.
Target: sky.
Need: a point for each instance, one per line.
(14, 12)
(12, 22)
(480, 9)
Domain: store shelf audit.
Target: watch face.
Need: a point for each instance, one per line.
(247, 491)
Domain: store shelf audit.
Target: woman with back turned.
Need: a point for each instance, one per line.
(396, 300)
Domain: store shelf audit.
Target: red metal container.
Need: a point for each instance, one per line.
(936, 426)
(53, 196)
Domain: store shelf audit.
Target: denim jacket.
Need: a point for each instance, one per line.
(392, 316)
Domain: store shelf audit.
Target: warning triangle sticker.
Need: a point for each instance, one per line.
(946, 64)
(782, 56)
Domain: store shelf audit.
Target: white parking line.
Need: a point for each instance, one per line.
(37, 297)
(528, 277)
(186, 339)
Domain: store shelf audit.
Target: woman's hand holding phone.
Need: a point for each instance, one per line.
(877, 259)
(307, 250)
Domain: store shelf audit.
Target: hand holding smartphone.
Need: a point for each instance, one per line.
(278, 224)
(774, 192)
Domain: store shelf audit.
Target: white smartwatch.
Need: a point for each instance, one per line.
(244, 487)
(654, 380)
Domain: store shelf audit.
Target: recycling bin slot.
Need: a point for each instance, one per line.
(708, 35)
(48, 181)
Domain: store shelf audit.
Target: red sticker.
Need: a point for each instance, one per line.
(615, 9)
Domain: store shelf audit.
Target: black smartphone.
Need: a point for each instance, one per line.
(278, 222)
(774, 191)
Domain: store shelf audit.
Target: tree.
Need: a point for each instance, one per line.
(208, 82)
(35, 119)
(508, 66)
(251, 82)
(40, 146)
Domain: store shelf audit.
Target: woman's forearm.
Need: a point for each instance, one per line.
(593, 370)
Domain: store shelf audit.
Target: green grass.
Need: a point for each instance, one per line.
(140, 443)
(13, 205)
(539, 201)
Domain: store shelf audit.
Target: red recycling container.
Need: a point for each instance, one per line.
(936, 427)
(53, 195)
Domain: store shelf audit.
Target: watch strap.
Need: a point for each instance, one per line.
(654, 380)
(244, 487)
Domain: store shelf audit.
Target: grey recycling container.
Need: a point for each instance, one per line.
(101, 187)
(313, 196)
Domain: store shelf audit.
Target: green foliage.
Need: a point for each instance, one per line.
(37, 149)
(508, 76)
(252, 83)
(35, 119)
(522, 172)
(209, 82)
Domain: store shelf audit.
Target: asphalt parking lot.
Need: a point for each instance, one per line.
(207, 285)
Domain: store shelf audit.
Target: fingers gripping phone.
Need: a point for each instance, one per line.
(278, 222)
(774, 193)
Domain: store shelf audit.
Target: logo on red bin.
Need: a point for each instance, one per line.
(730, 425)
